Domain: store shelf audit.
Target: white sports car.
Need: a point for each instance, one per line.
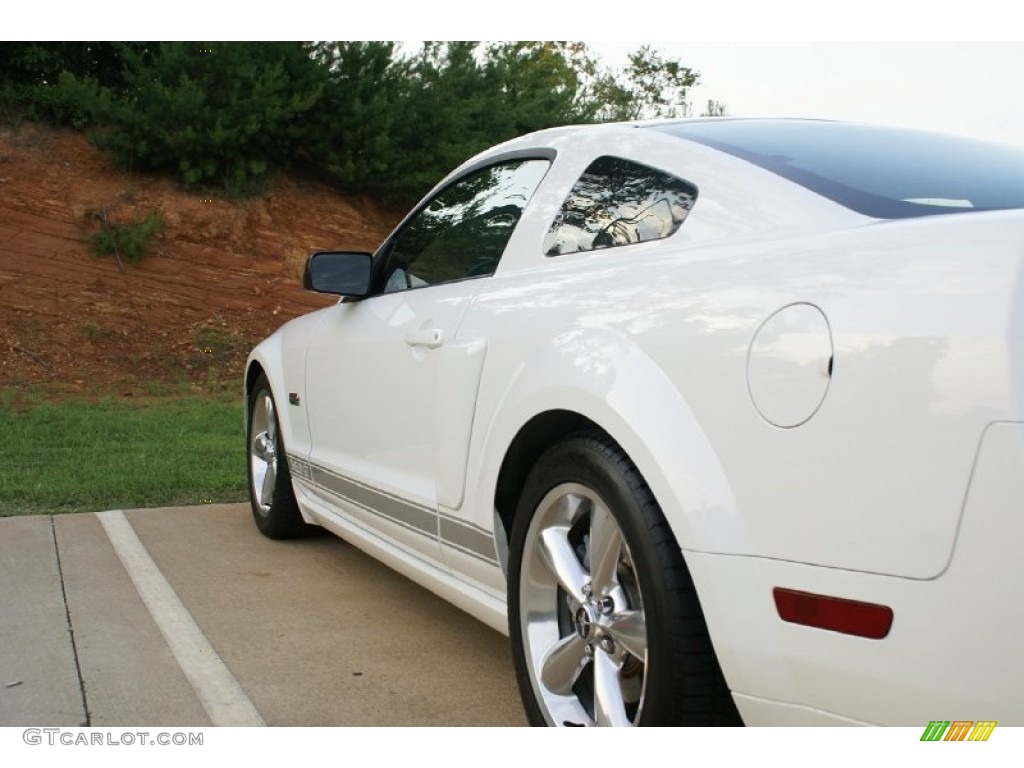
(721, 421)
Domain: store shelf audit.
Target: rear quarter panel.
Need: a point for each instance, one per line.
(651, 343)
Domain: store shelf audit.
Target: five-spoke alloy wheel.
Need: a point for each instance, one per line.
(582, 611)
(605, 624)
(270, 486)
(263, 452)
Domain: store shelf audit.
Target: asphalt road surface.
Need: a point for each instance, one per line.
(189, 617)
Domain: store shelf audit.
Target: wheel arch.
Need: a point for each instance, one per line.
(538, 434)
(252, 372)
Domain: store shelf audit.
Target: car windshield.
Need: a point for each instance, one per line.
(887, 173)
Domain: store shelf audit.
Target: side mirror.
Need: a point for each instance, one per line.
(343, 273)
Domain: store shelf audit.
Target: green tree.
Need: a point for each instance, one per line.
(448, 108)
(362, 114)
(349, 135)
(28, 63)
(455, 99)
(66, 83)
(650, 86)
(539, 84)
(713, 109)
(219, 114)
(458, 98)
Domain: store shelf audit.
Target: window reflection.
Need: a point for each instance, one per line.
(464, 230)
(618, 202)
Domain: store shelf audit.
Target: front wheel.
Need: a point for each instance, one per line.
(270, 484)
(605, 623)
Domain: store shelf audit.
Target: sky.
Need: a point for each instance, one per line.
(969, 88)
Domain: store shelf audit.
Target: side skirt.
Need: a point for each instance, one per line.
(488, 609)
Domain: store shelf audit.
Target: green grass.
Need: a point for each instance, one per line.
(80, 456)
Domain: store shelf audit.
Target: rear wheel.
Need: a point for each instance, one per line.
(270, 484)
(605, 623)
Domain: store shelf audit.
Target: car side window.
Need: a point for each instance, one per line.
(619, 202)
(462, 232)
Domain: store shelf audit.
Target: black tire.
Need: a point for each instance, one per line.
(633, 645)
(273, 499)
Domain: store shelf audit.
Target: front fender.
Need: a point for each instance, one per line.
(282, 357)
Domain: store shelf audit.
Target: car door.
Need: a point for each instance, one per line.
(390, 393)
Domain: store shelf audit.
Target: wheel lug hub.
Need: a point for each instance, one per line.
(607, 644)
(264, 448)
(586, 623)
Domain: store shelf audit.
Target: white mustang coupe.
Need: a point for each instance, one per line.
(722, 421)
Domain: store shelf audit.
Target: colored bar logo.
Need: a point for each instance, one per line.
(958, 730)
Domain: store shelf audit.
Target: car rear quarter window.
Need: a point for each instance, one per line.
(619, 202)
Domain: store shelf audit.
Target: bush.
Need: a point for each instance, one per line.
(126, 240)
(14, 103)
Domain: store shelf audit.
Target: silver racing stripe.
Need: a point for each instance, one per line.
(455, 533)
(410, 515)
(299, 468)
(469, 539)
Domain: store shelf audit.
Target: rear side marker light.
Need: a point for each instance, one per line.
(850, 617)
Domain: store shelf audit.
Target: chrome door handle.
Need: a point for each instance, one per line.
(431, 338)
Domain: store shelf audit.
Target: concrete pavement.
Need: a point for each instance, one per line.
(313, 631)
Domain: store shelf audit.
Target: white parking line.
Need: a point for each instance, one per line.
(218, 690)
